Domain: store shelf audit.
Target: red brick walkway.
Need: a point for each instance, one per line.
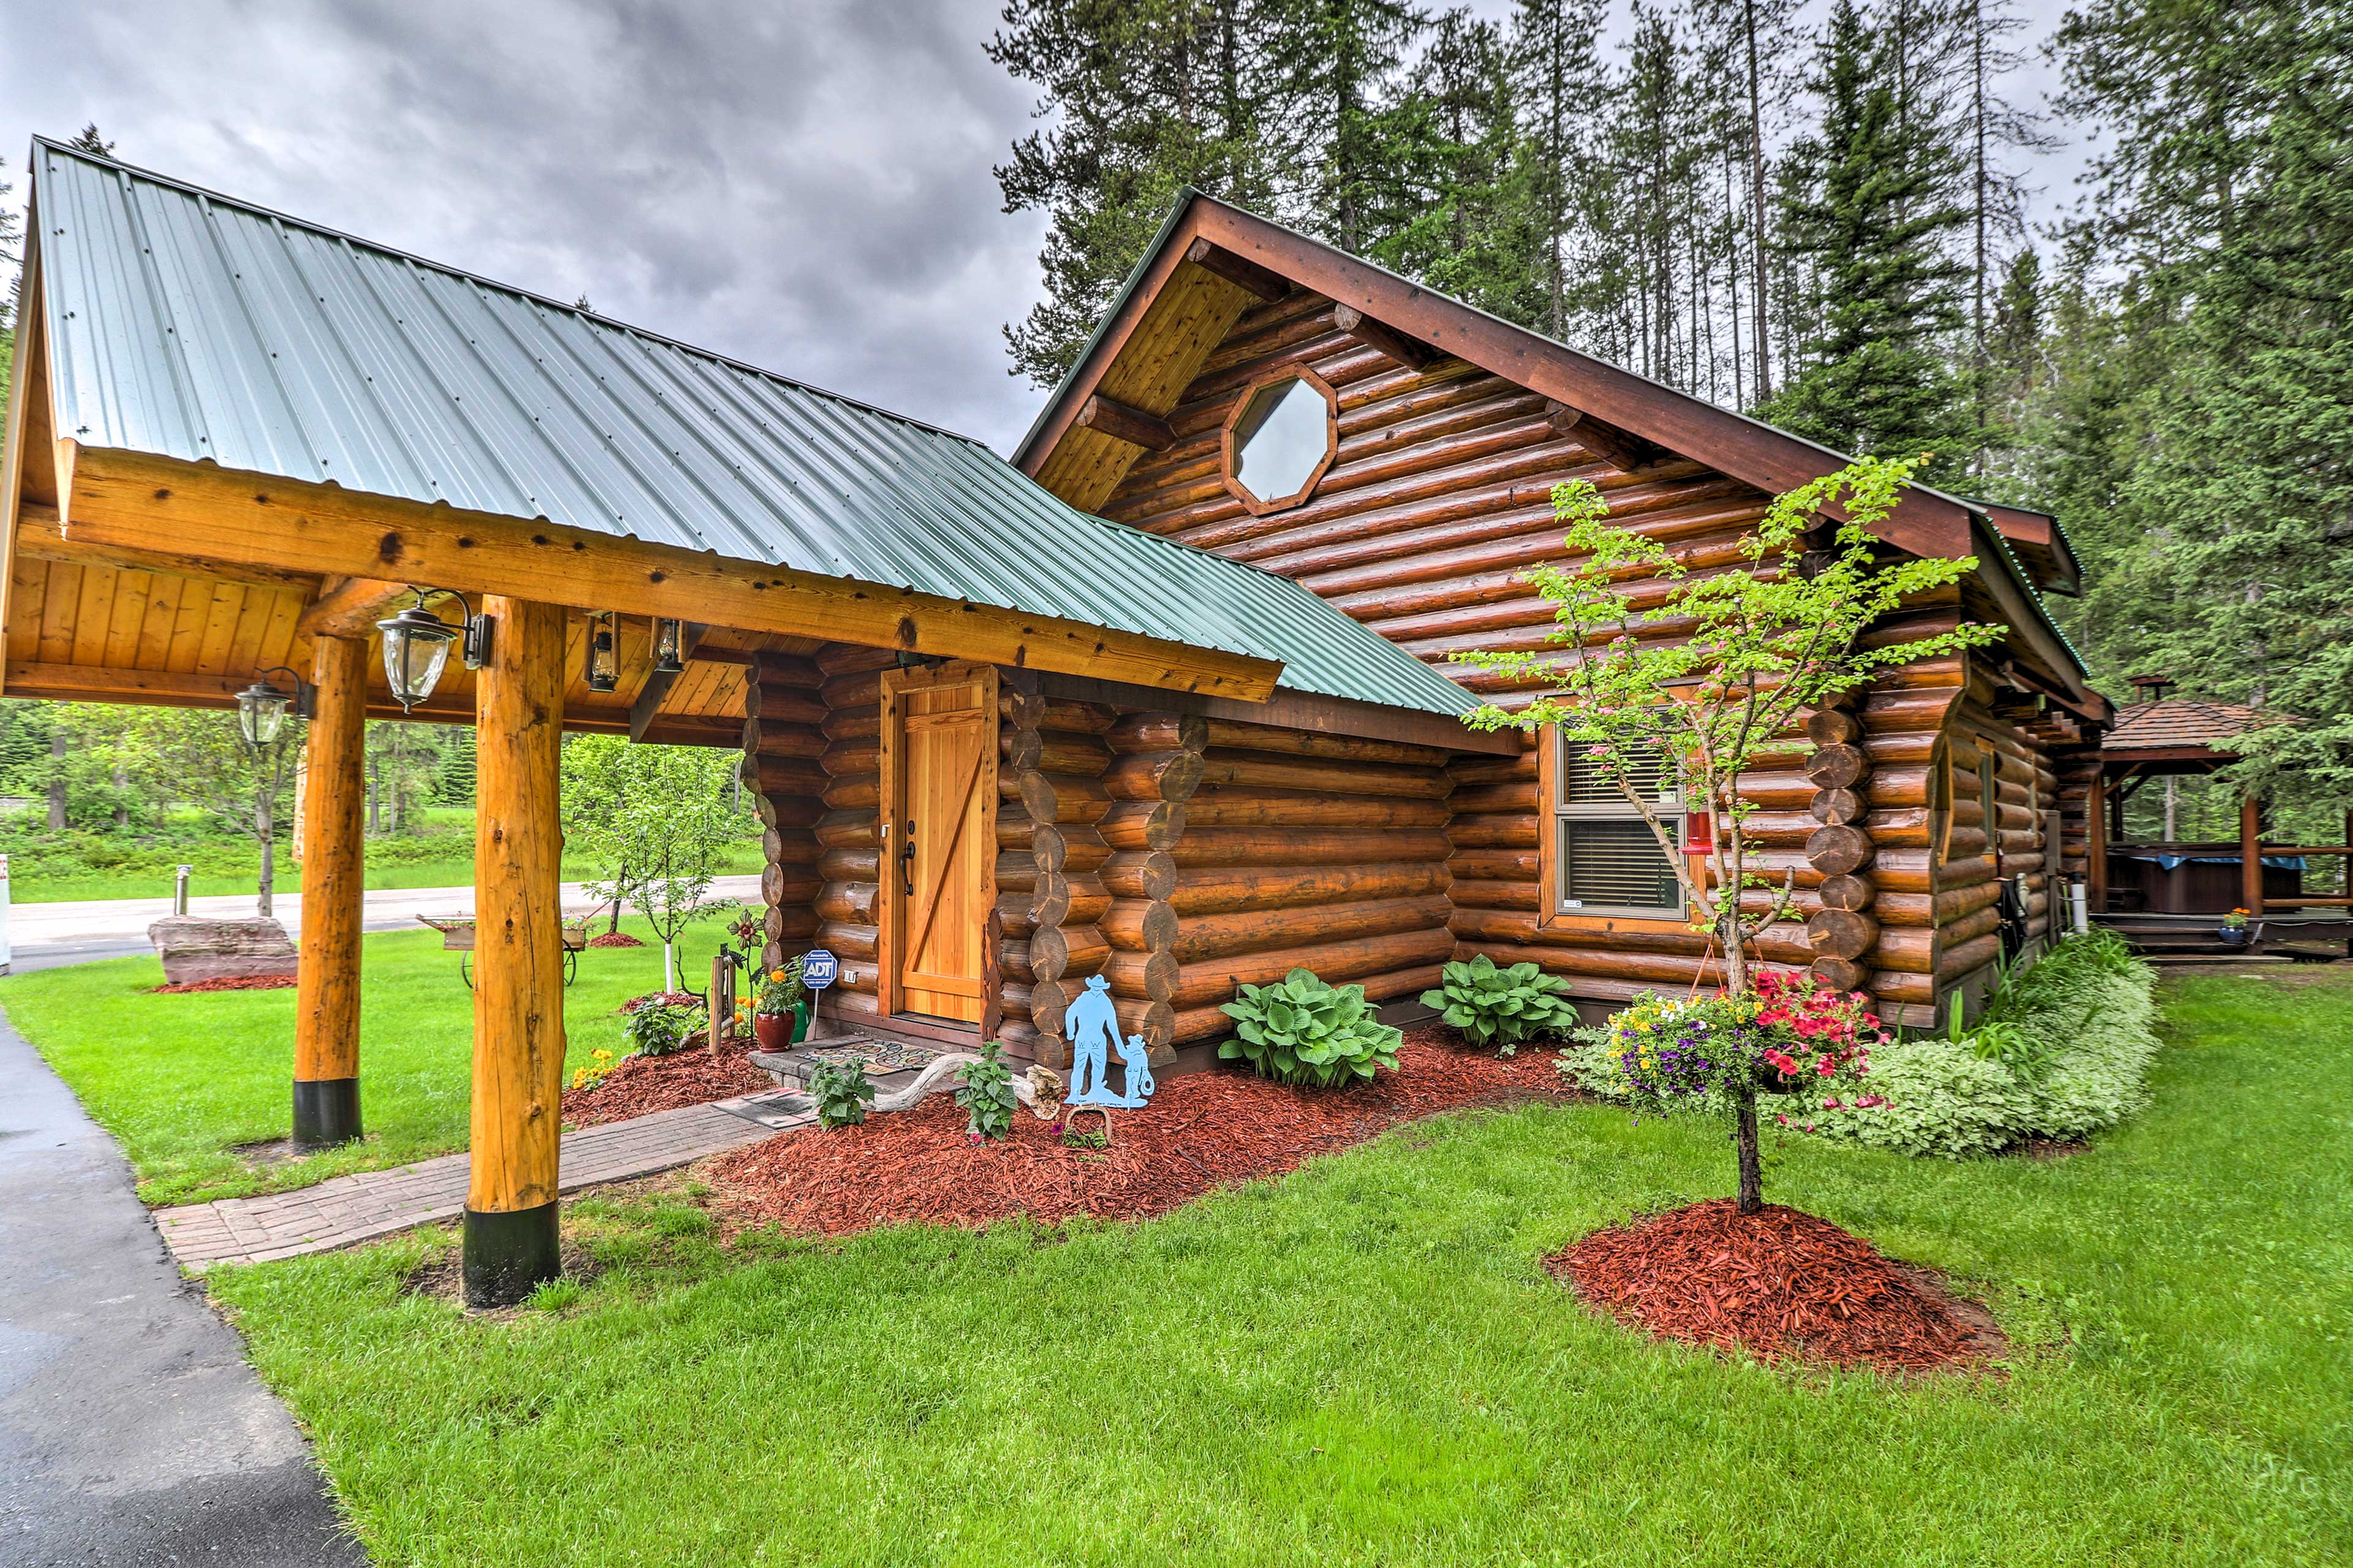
(370, 1203)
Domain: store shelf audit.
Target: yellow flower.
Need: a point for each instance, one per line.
(777, 975)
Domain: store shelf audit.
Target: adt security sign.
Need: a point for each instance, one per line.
(818, 970)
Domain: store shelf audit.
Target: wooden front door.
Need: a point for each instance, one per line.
(939, 839)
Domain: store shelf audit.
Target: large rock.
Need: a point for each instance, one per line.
(193, 948)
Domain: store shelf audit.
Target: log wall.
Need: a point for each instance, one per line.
(783, 745)
(1436, 503)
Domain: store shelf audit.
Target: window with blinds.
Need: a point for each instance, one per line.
(1608, 861)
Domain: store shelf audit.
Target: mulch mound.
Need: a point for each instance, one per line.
(225, 982)
(614, 939)
(1200, 1130)
(638, 1085)
(1777, 1284)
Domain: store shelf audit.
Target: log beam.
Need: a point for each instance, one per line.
(327, 974)
(132, 501)
(1408, 351)
(352, 608)
(1123, 422)
(518, 1082)
(647, 707)
(1246, 274)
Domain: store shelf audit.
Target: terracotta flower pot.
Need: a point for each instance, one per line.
(775, 1031)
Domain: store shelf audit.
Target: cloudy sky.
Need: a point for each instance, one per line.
(803, 184)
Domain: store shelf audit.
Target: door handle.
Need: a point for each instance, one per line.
(907, 861)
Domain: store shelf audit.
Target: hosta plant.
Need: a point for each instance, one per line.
(658, 1028)
(1301, 1030)
(841, 1093)
(1501, 1006)
(986, 1098)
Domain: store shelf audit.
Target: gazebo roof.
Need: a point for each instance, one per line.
(2178, 722)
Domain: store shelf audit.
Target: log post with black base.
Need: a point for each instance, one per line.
(510, 1209)
(327, 972)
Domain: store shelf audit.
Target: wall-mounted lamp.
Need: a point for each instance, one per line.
(668, 653)
(603, 671)
(416, 645)
(262, 707)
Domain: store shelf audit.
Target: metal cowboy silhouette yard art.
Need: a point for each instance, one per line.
(1092, 1023)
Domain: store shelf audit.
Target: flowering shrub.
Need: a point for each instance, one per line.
(779, 991)
(600, 1066)
(1791, 1034)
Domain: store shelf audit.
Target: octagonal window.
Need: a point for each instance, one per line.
(1280, 440)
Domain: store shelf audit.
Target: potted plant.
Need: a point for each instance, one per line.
(780, 1010)
(2233, 931)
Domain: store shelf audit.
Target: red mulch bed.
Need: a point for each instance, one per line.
(1199, 1130)
(225, 982)
(614, 939)
(1777, 1284)
(638, 1085)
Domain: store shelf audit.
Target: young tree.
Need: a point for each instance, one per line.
(657, 822)
(1752, 650)
(200, 756)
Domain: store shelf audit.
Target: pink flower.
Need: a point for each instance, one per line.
(1869, 1102)
(1833, 1104)
(1782, 1120)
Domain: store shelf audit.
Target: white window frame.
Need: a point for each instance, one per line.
(1560, 810)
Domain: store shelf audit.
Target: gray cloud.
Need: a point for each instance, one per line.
(805, 186)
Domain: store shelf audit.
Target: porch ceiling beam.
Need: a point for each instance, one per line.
(1263, 281)
(351, 607)
(1122, 422)
(647, 707)
(1408, 351)
(40, 535)
(131, 501)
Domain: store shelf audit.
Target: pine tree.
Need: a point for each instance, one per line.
(88, 140)
(1555, 70)
(1148, 97)
(1866, 213)
(2228, 557)
(1469, 226)
(1746, 42)
(1343, 117)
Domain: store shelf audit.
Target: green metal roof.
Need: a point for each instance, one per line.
(189, 325)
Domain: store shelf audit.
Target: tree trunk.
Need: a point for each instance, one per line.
(1744, 1138)
(264, 825)
(57, 781)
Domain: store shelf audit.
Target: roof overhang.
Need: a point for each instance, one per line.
(2040, 544)
(1924, 521)
(154, 509)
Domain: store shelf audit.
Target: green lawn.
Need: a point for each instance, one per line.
(179, 1079)
(1364, 1363)
(156, 882)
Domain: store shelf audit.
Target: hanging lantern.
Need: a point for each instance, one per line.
(415, 646)
(261, 712)
(668, 658)
(603, 672)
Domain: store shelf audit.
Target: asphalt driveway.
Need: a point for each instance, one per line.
(132, 1430)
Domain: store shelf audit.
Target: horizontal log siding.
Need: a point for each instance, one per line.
(1297, 850)
(1050, 885)
(849, 901)
(782, 746)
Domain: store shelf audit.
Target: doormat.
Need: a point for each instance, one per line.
(880, 1056)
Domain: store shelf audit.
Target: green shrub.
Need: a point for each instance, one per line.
(986, 1098)
(1500, 1007)
(1302, 1031)
(2062, 1051)
(658, 1028)
(841, 1092)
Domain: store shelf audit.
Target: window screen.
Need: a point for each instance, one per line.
(1608, 861)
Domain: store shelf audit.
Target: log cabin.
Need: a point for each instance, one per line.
(1255, 393)
(971, 715)
(1162, 700)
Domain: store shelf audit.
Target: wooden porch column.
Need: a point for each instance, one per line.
(2095, 847)
(2251, 856)
(511, 1213)
(327, 974)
